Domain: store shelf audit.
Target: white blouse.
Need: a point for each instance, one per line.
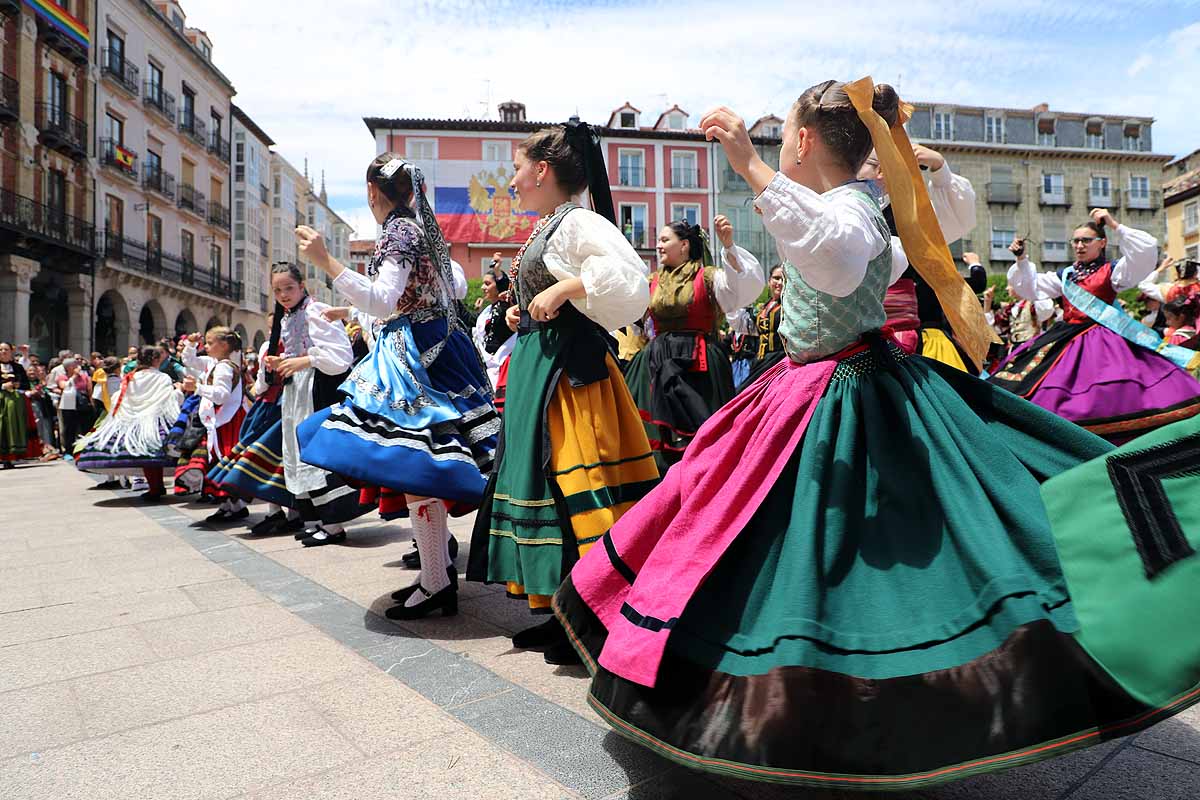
(589, 247)
(953, 201)
(260, 380)
(224, 377)
(1139, 258)
(740, 282)
(330, 351)
(375, 297)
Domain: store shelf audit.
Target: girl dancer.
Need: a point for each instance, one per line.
(683, 375)
(131, 439)
(857, 540)
(574, 455)
(1091, 368)
(417, 417)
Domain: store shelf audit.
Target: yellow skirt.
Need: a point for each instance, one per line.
(936, 344)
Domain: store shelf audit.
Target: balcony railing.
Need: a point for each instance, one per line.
(218, 146)
(62, 131)
(685, 178)
(264, 247)
(139, 256)
(29, 218)
(264, 194)
(194, 128)
(57, 39)
(10, 98)
(1109, 200)
(191, 200)
(637, 237)
(1004, 193)
(1191, 225)
(1144, 201)
(218, 215)
(1056, 197)
(631, 176)
(122, 72)
(156, 180)
(160, 100)
(122, 159)
(10, 8)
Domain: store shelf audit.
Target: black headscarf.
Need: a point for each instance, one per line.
(584, 139)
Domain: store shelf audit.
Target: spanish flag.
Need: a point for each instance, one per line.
(123, 156)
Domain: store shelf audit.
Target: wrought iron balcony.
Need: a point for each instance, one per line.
(156, 180)
(31, 219)
(1060, 197)
(194, 128)
(56, 39)
(10, 99)
(10, 8)
(122, 159)
(1004, 193)
(151, 260)
(122, 72)
(62, 131)
(1144, 201)
(191, 200)
(685, 178)
(219, 146)
(160, 100)
(1108, 200)
(218, 215)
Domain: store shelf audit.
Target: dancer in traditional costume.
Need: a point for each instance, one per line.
(1180, 313)
(854, 549)
(417, 417)
(684, 374)
(1096, 367)
(763, 327)
(574, 455)
(1185, 283)
(254, 467)
(18, 427)
(307, 357)
(493, 339)
(131, 439)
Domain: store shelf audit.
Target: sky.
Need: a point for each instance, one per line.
(308, 71)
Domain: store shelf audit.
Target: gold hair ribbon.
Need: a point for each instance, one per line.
(918, 226)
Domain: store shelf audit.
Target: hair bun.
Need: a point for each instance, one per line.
(886, 103)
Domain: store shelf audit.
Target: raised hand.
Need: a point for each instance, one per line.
(724, 230)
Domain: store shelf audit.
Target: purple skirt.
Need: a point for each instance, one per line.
(1095, 378)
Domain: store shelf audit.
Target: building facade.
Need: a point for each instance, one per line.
(336, 232)
(47, 242)
(163, 189)
(1181, 204)
(252, 225)
(1037, 173)
(361, 252)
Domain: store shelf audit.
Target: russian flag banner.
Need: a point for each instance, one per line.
(473, 203)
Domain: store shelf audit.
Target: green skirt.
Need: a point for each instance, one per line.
(14, 430)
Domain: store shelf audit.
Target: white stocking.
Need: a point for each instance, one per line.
(428, 519)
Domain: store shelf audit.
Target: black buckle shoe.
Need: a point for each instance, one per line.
(268, 523)
(446, 600)
(323, 537)
(400, 595)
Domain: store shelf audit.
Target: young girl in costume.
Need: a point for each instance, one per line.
(574, 455)
(131, 439)
(18, 427)
(683, 375)
(1092, 368)
(417, 417)
(850, 579)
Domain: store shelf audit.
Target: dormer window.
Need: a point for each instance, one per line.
(943, 124)
(628, 119)
(1132, 139)
(1095, 134)
(675, 122)
(1046, 134)
(205, 50)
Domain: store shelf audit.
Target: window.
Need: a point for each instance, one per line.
(684, 174)
(153, 164)
(187, 113)
(114, 216)
(771, 131)
(1004, 230)
(1054, 247)
(215, 122)
(154, 83)
(116, 53)
(58, 97)
(56, 191)
(1052, 183)
(1046, 136)
(1192, 253)
(1132, 139)
(632, 217)
(1095, 134)
(628, 119)
(993, 128)
(687, 211)
(943, 125)
(114, 129)
(187, 247)
(205, 50)
(177, 21)
(675, 122)
(498, 151)
(153, 233)
(1100, 190)
(421, 150)
(214, 259)
(1191, 217)
(1139, 187)
(631, 168)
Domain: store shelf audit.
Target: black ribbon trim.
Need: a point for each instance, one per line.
(1137, 478)
(649, 623)
(618, 563)
(584, 139)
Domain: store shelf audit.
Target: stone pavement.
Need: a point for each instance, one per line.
(145, 656)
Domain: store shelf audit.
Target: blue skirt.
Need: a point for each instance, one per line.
(254, 468)
(423, 430)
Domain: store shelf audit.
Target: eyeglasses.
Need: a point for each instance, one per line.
(1085, 239)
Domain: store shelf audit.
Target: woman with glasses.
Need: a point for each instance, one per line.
(1096, 367)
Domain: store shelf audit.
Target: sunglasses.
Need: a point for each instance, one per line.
(1085, 239)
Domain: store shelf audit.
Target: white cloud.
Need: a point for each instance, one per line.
(308, 74)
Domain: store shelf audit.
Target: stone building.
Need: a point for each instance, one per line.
(252, 225)
(1181, 203)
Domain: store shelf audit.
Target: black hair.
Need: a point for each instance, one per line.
(573, 150)
(1187, 269)
(280, 267)
(1096, 228)
(827, 109)
(1186, 306)
(146, 355)
(398, 189)
(692, 235)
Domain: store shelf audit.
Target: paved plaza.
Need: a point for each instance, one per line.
(144, 656)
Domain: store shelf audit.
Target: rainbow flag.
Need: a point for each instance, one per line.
(60, 19)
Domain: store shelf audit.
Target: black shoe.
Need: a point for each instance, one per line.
(562, 655)
(290, 525)
(549, 634)
(223, 515)
(268, 523)
(7, 465)
(114, 483)
(413, 560)
(309, 529)
(446, 600)
(400, 595)
(322, 537)
(151, 497)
